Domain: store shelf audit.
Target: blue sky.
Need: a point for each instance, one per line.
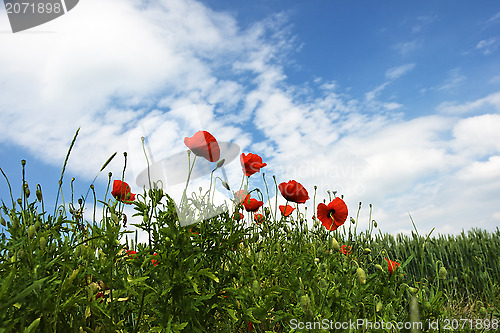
(395, 104)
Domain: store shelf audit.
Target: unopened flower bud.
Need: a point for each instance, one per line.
(379, 306)
(31, 231)
(335, 245)
(412, 290)
(256, 287)
(43, 243)
(379, 268)
(226, 185)
(361, 275)
(220, 163)
(305, 303)
(23, 162)
(442, 272)
(367, 251)
(38, 193)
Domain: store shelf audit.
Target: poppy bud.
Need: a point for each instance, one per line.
(305, 303)
(26, 190)
(378, 267)
(361, 275)
(412, 290)
(442, 273)
(19, 201)
(335, 244)
(31, 231)
(39, 194)
(256, 287)
(43, 243)
(220, 163)
(93, 287)
(379, 306)
(316, 261)
(23, 162)
(367, 251)
(226, 185)
(374, 223)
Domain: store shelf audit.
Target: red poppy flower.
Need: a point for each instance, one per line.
(391, 265)
(154, 261)
(251, 163)
(345, 250)
(250, 325)
(258, 218)
(131, 254)
(203, 144)
(100, 295)
(252, 205)
(121, 191)
(293, 191)
(286, 211)
(333, 215)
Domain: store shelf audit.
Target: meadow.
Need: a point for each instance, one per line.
(254, 267)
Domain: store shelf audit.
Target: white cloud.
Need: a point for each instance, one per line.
(396, 72)
(454, 79)
(405, 48)
(482, 105)
(487, 46)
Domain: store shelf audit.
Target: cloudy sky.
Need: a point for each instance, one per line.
(394, 104)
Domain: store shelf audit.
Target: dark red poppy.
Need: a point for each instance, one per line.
(154, 261)
(333, 215)
(251, 204)
(251, 163)
(345, 250)
(203, 144)
(121, 191)
(294, 192)
(100, 295)
(286, 211)
(250, 325)
(391, 265)
(258, 218)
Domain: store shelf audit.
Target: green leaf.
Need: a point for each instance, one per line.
(206, 272)
(33, 326)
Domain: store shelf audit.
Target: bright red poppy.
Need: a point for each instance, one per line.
(391, 265)
(121, 191)
(258, 218)
(131, 254)
(345, 250)
(294, 192)
(333, 215)
(203, 144)
(286, 211)
(154, 261)
(251, 163)
(251, 204)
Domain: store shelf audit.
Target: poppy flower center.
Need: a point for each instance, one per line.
(330, 213)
